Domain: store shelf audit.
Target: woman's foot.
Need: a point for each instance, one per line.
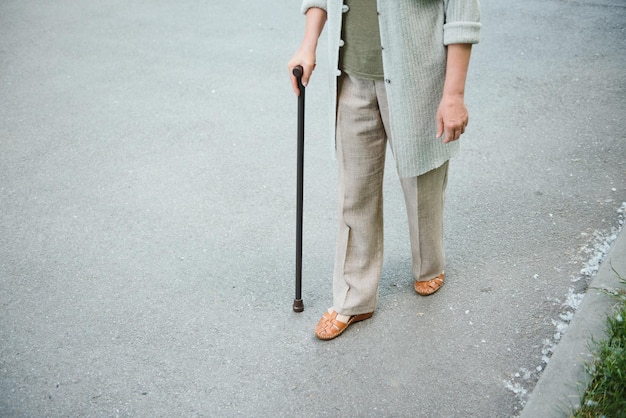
(429, 287)
(332, 325)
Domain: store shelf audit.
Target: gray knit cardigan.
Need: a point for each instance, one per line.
(414, 35)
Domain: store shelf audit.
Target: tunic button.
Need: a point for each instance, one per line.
(341, 43)
(338, 73)
(345, 8)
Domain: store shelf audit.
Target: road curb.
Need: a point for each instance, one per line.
(564, 380)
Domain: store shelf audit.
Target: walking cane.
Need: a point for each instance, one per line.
(298, 306)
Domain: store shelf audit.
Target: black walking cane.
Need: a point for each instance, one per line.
(298, 306)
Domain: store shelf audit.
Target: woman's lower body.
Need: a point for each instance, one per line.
(362, 134)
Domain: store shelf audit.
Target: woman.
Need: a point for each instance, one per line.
(398, 71)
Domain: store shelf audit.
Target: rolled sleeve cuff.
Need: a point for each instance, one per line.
(307, 4)
(461, 33)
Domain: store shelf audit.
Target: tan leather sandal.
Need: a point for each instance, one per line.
(329, 327)
(429, 287)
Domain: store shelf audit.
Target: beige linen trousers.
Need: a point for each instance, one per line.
(362, 132)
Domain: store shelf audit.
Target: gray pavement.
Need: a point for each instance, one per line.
(148, 213)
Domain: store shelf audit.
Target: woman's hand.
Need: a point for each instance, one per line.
(452, 118)
(304, 57)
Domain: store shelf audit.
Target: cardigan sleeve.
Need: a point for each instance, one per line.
(462, 24)
(307, 4)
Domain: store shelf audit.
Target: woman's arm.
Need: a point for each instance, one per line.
(452, 116)
(305, 55)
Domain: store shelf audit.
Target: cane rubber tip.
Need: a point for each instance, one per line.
(298, 306)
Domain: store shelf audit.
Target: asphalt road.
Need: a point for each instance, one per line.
(147, 215)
